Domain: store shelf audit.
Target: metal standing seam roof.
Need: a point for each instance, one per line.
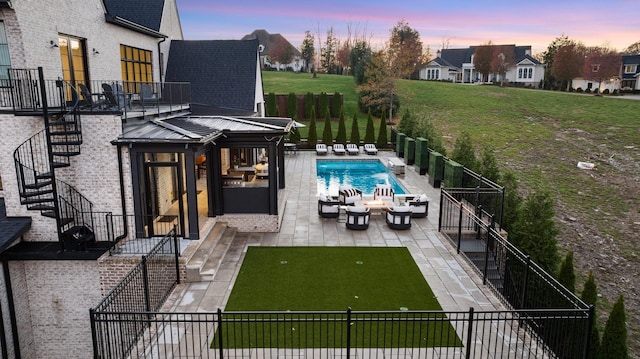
(200, 129)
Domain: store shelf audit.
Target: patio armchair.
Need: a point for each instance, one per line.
(419, 206)
(116, 97)
(383, 192)
(399, 217)
(88, 97)
(348, 195)
(321, 149)
(147, 96)
(353, 149)
(370, 149)
(327, 207)
(338, 149)
(357, 218)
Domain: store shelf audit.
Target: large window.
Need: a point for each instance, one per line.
(630, 69)
(74, 62)
(136, 67)
(5, 61)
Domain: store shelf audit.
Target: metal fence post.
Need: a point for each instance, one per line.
(145, 279)
(176, 246)
(94, 334)
(486, 256)
(469, 333)
(460, 229)
(442, 193)
(587, 339)
(348, 332)
(526, 281)
(220, 348)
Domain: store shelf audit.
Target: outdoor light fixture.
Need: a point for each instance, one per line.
(53, 44)
(95, 52)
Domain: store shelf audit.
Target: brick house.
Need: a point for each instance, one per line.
(99, 148)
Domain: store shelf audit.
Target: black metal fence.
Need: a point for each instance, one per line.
(516, 279)
(347, 334)
(144, 289)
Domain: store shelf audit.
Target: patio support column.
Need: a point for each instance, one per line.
(192, 198)
(211, 163)
(281, 176)
(273, 178)
(215, 179)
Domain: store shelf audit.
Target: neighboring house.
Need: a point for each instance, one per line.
(269, 42)
(456, 65)
(630, 72)
(97, 149)
(213, 69)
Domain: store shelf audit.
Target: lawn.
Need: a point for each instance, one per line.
(334, 279)
(541, 136)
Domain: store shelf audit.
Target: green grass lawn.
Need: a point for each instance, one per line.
(334, 279)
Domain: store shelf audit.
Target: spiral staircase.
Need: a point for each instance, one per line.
(37, 159)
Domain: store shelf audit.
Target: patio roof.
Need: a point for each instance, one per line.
(201, 129)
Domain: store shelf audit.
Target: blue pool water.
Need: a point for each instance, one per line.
(362, 174)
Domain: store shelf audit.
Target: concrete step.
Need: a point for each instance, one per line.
(212, 264)
(202, 253)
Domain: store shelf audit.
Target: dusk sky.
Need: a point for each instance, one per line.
(461, 23)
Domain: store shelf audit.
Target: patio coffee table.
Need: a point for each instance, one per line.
(375, 206)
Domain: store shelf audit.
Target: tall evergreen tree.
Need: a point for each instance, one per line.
(567, 276)
(382, 132)
(512, 201)
(341, 136)
(614, 337)
(308, 104)
(294, 135)
(323, 104)
(312, 137)
(590, 297)
(272, 105)
(408, 124)
(327, 135)
(463, 151)
(535, 231)
(292, 105)
(369, 135)
(355, 131)
(336, 104)
(488, 166)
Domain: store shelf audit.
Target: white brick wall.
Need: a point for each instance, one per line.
(252, 222)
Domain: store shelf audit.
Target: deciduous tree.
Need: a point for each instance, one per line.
(405, 50)
(280, 51)
(482, 60)
(601, 64)
(328, 53)
(307, 49)
(548, 58)
(503, 59)
(633, 49)
(378, 91)
(568, 62)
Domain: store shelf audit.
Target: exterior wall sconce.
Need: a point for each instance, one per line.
(53, 44)
(95, 52)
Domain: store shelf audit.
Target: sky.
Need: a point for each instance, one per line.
(461, 23)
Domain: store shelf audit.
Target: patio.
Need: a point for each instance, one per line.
(456, 286)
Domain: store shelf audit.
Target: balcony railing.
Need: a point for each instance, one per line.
(21, 93)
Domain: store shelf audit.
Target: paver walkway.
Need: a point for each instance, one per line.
(456, 286)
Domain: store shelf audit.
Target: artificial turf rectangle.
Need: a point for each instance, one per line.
(325, 279)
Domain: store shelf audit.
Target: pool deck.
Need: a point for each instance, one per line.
(454, 283)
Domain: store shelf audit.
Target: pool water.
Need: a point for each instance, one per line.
(363, 175)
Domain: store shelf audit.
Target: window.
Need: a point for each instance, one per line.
(630, 69)
(520, 73)
(136, 67)
(74, 60)
(5, 60)
(530, 73)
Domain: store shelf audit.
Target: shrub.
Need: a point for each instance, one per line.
(308, 104)
(341, 136)
(327, 135)
(369, 135)
(382, 134)
(614, 337)
(323, 104)
(272, 105)
(355, 131)
(567, 276)
(312, 137)
(605, 92)
(336, 104)
(590, 297)
(292, 105)
(463, 151)
(294, 135)
(579, 90)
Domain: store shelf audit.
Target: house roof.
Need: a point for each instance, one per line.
(457, 57)
(221, 72)
(266, 39)
(201, 129)
(147, 14)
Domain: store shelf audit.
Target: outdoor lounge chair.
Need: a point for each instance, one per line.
(353, 149)
(348, 195)
(370, 149)
(399, 217)
(419, 206)
(321, 149)
(88, 97)
(327, 207)
(147, 96)
(357, 218)
(338, 149)
(383, 192)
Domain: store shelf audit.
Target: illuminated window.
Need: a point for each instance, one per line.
(630, 69)
(5, 61)
(136, 67)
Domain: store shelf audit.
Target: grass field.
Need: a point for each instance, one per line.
(541, 136)
(333, 279)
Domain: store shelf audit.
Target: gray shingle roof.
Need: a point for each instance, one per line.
(221, 72)
(147, 13)
(266, 39)
(457, 57)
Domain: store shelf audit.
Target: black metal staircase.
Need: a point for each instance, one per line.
(37, 159)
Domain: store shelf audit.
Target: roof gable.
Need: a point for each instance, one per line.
(266, 39)
(147, 13)
(221, 72)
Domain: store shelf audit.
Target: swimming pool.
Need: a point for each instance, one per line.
(361, 174)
